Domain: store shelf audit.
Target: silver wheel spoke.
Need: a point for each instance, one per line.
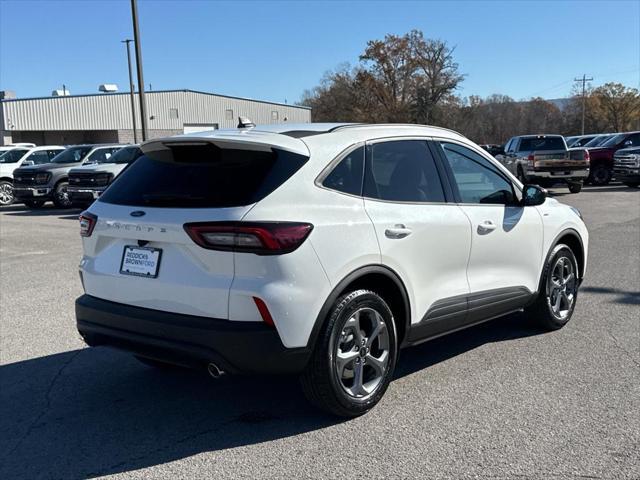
(568, 278)
(377, 330)
(379, 364)
(556, 305)
(345, 359)
(358, 387)
(353, 324)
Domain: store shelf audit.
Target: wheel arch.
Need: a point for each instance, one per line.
(572, 239)
(6, 179)
(377, 278)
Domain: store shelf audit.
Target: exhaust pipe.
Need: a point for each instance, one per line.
(215, 371)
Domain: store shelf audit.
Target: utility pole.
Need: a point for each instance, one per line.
(136, 38)
(133, 102)
(584, 81)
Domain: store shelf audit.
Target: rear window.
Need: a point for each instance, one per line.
(202, 176)
(543, 143)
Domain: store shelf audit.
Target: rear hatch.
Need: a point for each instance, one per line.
(140, 253)
(551, 153)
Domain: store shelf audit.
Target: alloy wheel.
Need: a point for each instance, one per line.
(562, 288)
(6, 194)
(62, 196)
(362, 353)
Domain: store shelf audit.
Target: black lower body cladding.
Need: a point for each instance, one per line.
(237, 347)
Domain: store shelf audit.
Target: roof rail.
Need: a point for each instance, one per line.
(359, 125)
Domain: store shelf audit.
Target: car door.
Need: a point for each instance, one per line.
(422, 237)
(507, 238)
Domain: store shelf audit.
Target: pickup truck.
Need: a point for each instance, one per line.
(37, 184)
(626, 166)
(602, 157)
(86, 183)
(546, 160)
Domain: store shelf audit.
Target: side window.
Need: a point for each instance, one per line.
(402, 171)
(346, 177)
(507, 147)
(477, 179)
(52, 153)
(101, 155)
(39, 157)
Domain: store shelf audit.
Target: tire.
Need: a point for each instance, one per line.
(632, 184)
(575, 187)
(60, 196)
(560, 276)
(331, 384)
(6, 193)
(600, 175)
(34, 203)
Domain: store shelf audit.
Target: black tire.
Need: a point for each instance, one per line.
(6, 193)
(153, 363)
(632, 184)
(34, 203)
(600, 175)
(60, 196)
(320, 381)
(542, 311)
(575, 187)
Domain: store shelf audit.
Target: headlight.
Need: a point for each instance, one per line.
(636, 157)
(102, 180)
(577, 212)
(42, 178)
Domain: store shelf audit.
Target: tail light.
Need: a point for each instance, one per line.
(87, 223)
(532, 160)
(587, 157)
(264, 238)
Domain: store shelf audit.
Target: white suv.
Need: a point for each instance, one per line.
(319, 249)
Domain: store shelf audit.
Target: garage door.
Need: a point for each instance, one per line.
(202, 127)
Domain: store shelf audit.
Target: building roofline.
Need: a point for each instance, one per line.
(151, 92)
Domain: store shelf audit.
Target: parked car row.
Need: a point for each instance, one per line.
(34, 175)
(583, 159)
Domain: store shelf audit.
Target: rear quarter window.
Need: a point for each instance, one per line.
(202, 176)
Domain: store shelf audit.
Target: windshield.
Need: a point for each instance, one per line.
(72, 155)
(597, 141)
(125, 155)
(12, 156)
(614, 140)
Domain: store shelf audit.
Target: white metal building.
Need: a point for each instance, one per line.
(106, 117)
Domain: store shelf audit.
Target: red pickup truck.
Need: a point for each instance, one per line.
(601, 169)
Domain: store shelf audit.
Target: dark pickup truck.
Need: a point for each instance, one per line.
(602, 157)
(626, 166)
(545, 160)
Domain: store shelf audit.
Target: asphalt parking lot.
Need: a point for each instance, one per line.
(501, 400)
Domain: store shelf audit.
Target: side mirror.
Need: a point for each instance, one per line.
(533, 195)
(628, 143)
(28, 163)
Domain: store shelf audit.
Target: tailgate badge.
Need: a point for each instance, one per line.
(137, 213)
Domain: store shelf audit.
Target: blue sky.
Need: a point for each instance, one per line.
(275, 50)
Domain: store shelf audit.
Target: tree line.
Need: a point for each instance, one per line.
(413, 79)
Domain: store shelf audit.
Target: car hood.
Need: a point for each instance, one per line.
(99, 167)
(49, 166)
(628, 151)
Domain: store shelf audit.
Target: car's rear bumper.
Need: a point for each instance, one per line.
(557, 174)
(236, 347)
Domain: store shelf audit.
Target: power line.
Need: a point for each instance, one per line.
(584, 81)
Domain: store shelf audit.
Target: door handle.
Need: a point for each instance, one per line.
(486, 227)
(398, 231)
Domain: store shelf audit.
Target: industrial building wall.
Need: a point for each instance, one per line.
(168, 110)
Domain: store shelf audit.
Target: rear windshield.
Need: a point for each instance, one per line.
(544, 143)
(202, 176)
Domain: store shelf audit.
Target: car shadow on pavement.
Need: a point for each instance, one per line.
(627, 297)
(95, 411)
